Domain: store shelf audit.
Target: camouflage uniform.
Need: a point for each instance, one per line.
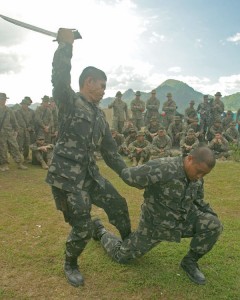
(127, 128)
(25, 119)
(8, 141)
(74, 175)
(54, 127)
(151, 129)
(217, 109)
(197, 128)
(217, 126)
(189, 142)
(144, 155)
(219, 147)
(232, 134)
(169, 107)
(39, 156)
(152, 106)
(175, 131)
(227, 120)
(137, 108)
(173, 208)
(120, 112)
(190, 113)
(161, 146)
(131, 137)
(44, 121)
(120, 142)
(204, 110)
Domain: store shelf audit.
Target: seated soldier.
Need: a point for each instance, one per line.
(197, 129)
(220, 147)
(127, 127)
(139, 149)
(151, 129)
(41, 152)
(120, 142)
(131, 138)
(161, 145)
(216, 127)
(227, 120)
(189, 142)
(232, 134)
(175, 131)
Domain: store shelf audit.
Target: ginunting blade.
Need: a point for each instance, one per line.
(77, 35)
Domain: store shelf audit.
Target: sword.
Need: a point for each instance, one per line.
(76, 34)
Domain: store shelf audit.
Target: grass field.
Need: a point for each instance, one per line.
(33, 233)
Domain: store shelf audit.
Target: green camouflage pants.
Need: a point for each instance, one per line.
(76, 209)
(23, 140)
(8, 143)
(39, 156)
(204, 230)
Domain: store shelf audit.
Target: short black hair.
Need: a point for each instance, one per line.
(203, 154)
(93, 72)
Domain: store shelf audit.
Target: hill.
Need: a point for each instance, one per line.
(232, 102)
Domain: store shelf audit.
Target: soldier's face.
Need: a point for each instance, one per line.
(96, 89)
(45, 104)
(40, 142)
(3, 102)
(194, 170)
(161, 133)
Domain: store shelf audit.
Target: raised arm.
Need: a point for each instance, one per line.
(61, 77)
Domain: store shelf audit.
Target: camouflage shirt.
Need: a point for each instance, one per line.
(169, 197)
(83, 130)
(162, 142)
(43, 117)
(8, 120)
(120, 110)
(217, 109)
(25, 119)
(137, 108)
(169, 107)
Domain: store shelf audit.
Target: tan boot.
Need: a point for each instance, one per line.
(134, 162)
(140, 161)
(44, 165)
(21, 166)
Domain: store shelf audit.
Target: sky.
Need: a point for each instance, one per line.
(139, 44)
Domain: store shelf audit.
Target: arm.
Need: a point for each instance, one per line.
(61, 78)
(150, 173)
(199, 201)
(13, 121)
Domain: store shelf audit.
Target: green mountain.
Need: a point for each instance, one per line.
(232, 102)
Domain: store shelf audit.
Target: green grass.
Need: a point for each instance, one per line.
(33, 235)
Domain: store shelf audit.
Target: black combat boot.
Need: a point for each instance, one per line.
(72, 272)
(98, 229)
(190, 266)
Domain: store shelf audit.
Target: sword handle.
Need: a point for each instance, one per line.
(76, 34)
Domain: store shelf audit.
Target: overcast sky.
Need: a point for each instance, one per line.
(139, 44)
